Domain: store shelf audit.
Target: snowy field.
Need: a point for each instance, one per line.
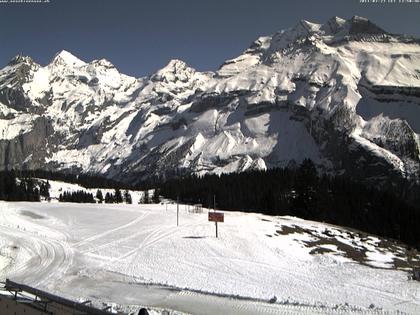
(136, 255)
(59, 187)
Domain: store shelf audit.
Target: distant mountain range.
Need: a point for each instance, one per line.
(345, 94)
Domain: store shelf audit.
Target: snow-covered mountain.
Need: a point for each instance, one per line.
(345, 94)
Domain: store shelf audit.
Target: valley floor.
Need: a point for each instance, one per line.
(136, 255)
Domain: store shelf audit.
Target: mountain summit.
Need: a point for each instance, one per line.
(65, 58)
(345, 94)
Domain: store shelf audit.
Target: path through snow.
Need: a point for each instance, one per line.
(136, 255)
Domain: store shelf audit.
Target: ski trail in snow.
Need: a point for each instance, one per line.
(213, 304)
(157, 234)
(119, 240)
(131, 246)
(46, 257)
(153, 236)
(106, 233)
(114, 242)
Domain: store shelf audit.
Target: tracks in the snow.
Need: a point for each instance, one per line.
(95, 237)
(145, 246)
(43, 257)
(207, 304)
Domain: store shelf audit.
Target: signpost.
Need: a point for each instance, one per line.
(216, 216)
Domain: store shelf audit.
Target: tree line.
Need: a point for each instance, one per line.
(297, 191)
(78, 196)
(23, 186)
(302, 192)
(86, 180)
(13, 188)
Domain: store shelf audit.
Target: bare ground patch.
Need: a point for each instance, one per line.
(354, 245)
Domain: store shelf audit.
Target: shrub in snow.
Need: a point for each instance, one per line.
(416, 274)
(143, 311)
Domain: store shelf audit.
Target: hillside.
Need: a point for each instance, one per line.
(131, 254)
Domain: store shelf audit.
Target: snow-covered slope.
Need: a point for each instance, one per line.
(117, 253)
(58, 187)
(344, 93)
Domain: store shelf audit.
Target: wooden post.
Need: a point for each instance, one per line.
(214, 202)
(214, 209)
(177, 211)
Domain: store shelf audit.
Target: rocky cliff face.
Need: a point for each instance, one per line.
(344, 93)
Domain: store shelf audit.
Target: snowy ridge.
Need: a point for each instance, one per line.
(312, 91)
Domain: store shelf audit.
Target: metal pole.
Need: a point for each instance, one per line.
(214, 209)
(177, 211)
(214, 202)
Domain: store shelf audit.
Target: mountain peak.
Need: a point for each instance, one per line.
(21, 59)
(175, 70)
(66, 58)
(176, 65)
(334, 25)
(308, 26)
(356, 25)
(103, 62)
(361, 25)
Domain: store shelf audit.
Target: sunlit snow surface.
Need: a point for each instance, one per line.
(245, 115)
(108, 252)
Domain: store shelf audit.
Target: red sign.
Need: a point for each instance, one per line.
(216, 217)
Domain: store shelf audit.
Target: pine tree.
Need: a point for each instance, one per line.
(99, 196)
(127, 197)
(155, 197)
(109, 198)
(146, 197)
(79, 196)
(44, 189)
(117, 196)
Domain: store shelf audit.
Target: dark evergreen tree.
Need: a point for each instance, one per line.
(146, 198)
(109, 198)
(117, 196)
(14, 188)
(127, 197)
(79, 196)
(44, 189)
(155, 197)
(99, 196)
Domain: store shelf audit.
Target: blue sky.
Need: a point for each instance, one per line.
(139, 37)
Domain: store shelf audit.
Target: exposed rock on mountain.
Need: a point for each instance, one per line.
(345, 94)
